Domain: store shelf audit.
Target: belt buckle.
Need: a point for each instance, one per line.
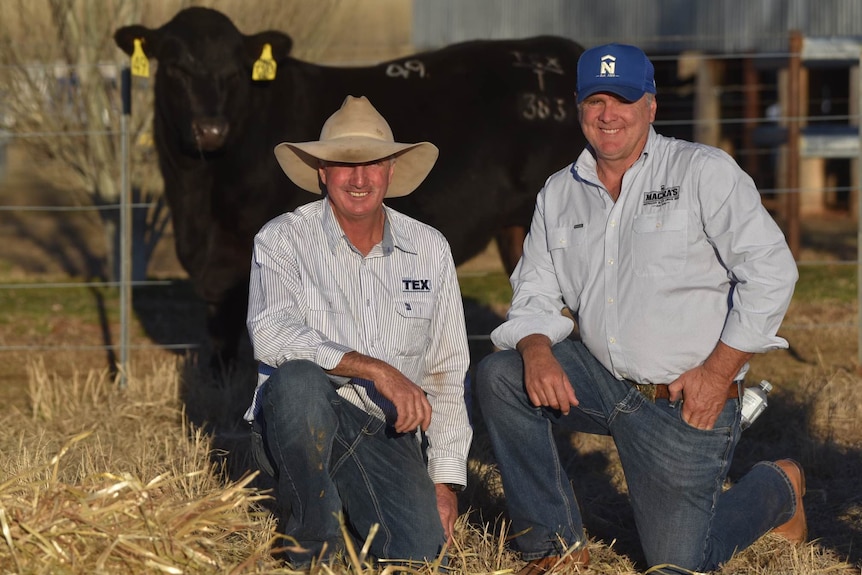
(647, 390)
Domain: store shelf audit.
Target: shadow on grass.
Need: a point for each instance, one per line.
(48, 245)
(172, 315)
(833, 503)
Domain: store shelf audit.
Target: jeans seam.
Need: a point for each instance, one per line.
(560, 488)
(786, 479)
(386, 532)
(722, 472)
(283, 470)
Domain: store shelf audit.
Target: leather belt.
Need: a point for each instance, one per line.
(657, 391)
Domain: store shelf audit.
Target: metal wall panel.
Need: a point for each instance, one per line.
(658, 26)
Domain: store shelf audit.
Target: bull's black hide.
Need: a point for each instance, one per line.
(501, 112)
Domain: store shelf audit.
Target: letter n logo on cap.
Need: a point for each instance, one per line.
(608, 67)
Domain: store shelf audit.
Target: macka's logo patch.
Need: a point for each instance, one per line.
(662, 196)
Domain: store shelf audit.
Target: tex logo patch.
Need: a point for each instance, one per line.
(664, 195)
(412, 286)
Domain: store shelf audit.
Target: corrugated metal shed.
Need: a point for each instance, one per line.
(658, 26)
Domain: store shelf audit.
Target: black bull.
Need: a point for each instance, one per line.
(501, 112)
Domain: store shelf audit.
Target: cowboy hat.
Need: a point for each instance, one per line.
(356, 134)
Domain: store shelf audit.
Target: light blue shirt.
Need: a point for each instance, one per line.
(686, 256)
(313, 296)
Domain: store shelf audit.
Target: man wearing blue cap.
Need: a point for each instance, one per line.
(677, 275)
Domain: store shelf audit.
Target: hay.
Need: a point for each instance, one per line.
(98, 479)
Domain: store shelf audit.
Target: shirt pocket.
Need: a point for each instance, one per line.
(412, 334)
(326, 312)
(568, 250)
(660, 243)
(567, 238)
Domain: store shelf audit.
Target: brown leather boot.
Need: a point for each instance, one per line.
(555, 564)
(795, 530)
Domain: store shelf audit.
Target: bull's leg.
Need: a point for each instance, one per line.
(510, 242)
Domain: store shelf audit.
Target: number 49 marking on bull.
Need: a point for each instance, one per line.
(406, 69)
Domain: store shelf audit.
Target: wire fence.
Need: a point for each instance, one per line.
(738, 124)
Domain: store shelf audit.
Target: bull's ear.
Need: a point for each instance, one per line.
(125, 38)
(280, 42)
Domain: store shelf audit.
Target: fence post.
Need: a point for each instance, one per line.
(859, 211)
(125, 229)
(794, 114)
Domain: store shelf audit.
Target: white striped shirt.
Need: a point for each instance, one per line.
(313, 296)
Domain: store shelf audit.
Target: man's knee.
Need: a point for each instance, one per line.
(496, 371)
(300, 388)
(417, 545)
(295, 378)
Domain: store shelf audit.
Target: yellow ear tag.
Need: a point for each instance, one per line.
(140, 62)
(264, 68)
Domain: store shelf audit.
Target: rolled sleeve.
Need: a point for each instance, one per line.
(755, 253)
(537, 301)
(329, 354)
(556, 327)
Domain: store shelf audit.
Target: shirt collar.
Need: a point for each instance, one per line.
(585, 166)
(393, 237)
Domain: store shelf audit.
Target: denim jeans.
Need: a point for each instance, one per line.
(330, 457)
(674, 472)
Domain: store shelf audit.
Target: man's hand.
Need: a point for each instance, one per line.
(705, 394)
(410, 403)
(705, 387)
(409, 399)
(546, 383)
(447, 507)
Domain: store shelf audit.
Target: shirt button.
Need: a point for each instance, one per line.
(610, 300)
(613, 223)
(612, 339)
(658, 224)
(611, 261)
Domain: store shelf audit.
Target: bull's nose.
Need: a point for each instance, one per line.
(210, 133)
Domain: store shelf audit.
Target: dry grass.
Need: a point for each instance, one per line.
(99, 479)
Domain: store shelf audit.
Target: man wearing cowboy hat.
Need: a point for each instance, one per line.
(356, 318)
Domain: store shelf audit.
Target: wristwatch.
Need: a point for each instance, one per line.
(454, 487)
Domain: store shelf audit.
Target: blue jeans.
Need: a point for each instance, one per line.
(330, 457)
(674, 472)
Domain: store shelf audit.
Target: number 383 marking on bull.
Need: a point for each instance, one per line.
(540, 107)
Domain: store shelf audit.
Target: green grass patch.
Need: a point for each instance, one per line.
(488, 289)
(32, 302)
(826, 283)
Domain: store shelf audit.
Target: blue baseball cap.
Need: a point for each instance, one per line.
(616, 68)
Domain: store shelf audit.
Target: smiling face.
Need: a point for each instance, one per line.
(356, 191)
(616, 129)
